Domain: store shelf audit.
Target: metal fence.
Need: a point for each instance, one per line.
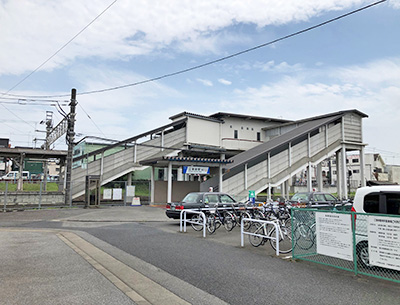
(115, 193)
(37, 194)
(34, 194)
(367, 244)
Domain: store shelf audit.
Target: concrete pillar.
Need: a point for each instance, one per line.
(152, 184)
(319, 177)
(180, 176)
(169, 191)
(362, 166)
(338, 176)
(309, 177)
(287, 188)
(344, 172)
(221, 186)
(129, 182)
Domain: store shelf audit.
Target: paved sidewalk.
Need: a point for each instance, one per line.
(37, 267)
(57, 266)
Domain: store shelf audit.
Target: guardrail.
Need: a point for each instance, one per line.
(264, 222)
(183, 220)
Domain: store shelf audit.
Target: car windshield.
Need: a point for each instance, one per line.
(300, 196)
(192, 198)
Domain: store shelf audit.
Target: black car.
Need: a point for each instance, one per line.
(199, 200)
(314, 199)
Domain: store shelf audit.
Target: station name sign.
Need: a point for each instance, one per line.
(196, 170)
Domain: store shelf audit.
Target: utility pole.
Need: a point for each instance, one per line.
(49, 127)
(70, 141)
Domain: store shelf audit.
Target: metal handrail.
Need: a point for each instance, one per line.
(182, 219)
(274, 223)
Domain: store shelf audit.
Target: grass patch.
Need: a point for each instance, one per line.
(28, 187)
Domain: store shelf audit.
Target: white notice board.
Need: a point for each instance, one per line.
(130, 191)
(117, 194)
(384, 241)
(334, 235)
(107, 193)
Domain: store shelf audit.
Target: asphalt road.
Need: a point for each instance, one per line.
(216, 265)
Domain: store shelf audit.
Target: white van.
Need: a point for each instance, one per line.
(380, 199)
(14, 175)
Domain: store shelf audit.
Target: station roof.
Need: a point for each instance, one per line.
(164, 160)
(32, 153)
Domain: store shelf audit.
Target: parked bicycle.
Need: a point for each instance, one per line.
(262, 232)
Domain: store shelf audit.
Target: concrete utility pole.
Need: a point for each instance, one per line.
(49, 127)
(70, 141)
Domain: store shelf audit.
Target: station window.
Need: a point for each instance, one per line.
(258, 136)
(235, 134)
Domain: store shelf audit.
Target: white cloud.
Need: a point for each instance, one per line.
(282, 67)
(205, 82)
(36, 29)
(395, 3)
(372, 88)
(225, 82)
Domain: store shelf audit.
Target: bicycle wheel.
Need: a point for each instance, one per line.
(303, 237)
(228, 221)
(197, 222)
(284, 237)
(257, 228)
(269, 215)
(246, 223)
(257, 214)
(211, 227)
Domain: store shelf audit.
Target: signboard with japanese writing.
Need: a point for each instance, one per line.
(130, 191)
(193, 170)
(107, 193)
(384, 241)
(117, 194)
(334, 235)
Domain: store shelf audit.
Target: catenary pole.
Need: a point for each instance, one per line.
(70, 141)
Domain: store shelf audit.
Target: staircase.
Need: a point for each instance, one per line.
(297, 146)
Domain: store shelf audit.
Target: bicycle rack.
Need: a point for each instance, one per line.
(182, 219)
(277, 230)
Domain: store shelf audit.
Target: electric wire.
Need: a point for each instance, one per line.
(48, 59)
(60, 49)
(94, 123)
(216, 60)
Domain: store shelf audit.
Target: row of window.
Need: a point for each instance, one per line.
(347, 161)
(236, 135)
(247, 128)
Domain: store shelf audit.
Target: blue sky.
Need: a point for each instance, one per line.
(353, 63)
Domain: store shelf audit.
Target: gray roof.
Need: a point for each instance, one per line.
(341, 113)
(221, 115)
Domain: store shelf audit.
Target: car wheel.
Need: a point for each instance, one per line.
(363, 254)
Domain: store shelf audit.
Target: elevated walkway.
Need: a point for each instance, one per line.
(294, 147)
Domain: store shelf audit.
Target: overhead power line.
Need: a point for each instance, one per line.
(60, 49)
(216, 60)
(48, 59)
